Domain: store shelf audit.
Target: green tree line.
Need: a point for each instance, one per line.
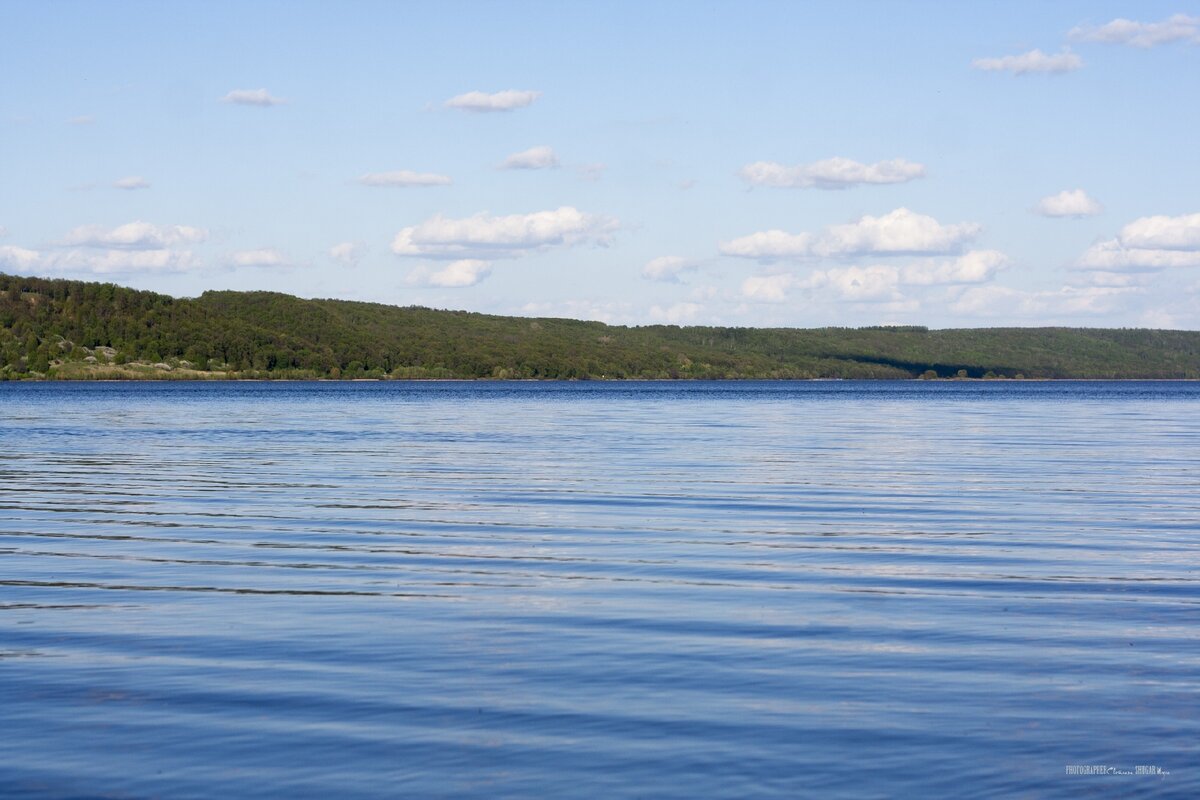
(72, 329)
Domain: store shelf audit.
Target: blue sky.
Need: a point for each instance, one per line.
(740, 164)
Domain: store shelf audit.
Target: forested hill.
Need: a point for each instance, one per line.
(71, 329)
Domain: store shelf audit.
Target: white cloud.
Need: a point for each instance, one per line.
(252, 97)
(987, 300)
(540, 157)
(832, 173)
(882, 283)
(262, 257)
(124, 261)
(976, 266)
(499, 101)
(1148, 244)
(879, 283)
(1067, 301)
(487, 236)
(19, 258)
(1033, 61)
(900, 232)
(83, 119)
(666, 268)
(347, 253)
(1114, 256)
(404, 177)
(131, 183)
(98, 261)
(769, 245)
(676, 314)
(455, 275)
(1180, 27)
(860, 284)
(135, 236)
(1162, 232)
(136, 247)
(902, 306)
(767, 288)
(1158, 318)
(1069, 203)
(1110, 279)
(611, 313)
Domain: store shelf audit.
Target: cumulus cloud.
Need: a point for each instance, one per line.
(135, 247)
(1035, 61)
(455, 275)
(1110, 279)
(19, 258)
(97, 262)
(875, 283)
(1113, 255)
(486, 236)
(123, 261)
(676, 314)
(900, 232)
(347, 253)
(769, 245)
(976, 266)
(883, 282)
(1069, 203)
(131, 183)
(540, 157)
(1162, 232)
(1178, 28)
(832, 173)
(767, 288)
(1158, 318)
(507, 100)
(262, 257)
(135, 236)
(879, 283)
(252, 97)
(1067, 301)
(666, 268)
(1148, 244)
(987, 300)
(611, 313)
(404, 177)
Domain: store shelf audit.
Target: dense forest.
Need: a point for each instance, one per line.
(76, 330)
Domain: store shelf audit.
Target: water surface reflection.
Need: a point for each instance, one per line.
(580, 590)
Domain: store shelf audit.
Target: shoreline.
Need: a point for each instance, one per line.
(53, 329)
(597, 380)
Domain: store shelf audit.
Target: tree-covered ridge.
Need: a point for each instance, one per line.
(73, 329)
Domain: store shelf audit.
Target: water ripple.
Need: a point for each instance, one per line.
(578, 590)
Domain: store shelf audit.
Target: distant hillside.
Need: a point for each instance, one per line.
(77, 330)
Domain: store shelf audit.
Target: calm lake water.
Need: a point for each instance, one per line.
(683, 590)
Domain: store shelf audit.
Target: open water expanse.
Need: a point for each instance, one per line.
(599, 590)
